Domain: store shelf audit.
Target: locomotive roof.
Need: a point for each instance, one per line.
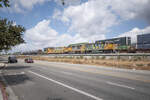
(113, 39)
(77, 44)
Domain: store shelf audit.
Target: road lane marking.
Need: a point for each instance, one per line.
(67, 86)
(116, 84)
(105, 72)
(19, 73)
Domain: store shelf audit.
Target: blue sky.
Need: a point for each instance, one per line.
(31, 17)
(126, 26)
(49, 23)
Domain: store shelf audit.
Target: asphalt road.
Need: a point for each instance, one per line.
(59, 81)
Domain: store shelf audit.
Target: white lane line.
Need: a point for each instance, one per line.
(116, 84)
(67, 86)
(21, 73)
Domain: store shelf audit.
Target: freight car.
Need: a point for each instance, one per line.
(120, 44)
(58, 50)
(49, 50)
(143, 43)
(77, 48)
(101, 46)
(90, 48)
(67, 50)
(54, 50)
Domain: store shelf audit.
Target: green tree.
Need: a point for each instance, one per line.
(4, 3)
(10, 35)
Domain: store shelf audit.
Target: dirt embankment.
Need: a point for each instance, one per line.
(139, 64)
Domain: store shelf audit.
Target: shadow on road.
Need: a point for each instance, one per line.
(14, 74)
(16, 67)
(16, 79)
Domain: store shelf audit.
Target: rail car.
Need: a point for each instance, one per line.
(49, 50)
(67, 50)
(54, 50)
(77, 48)
(121, 45)
(143, 43)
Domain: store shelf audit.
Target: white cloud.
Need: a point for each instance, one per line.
(68, 2)
(96, 17)
(129, 9)
(90, 18)
(57, 14)
(14, 23)
(42, 35)
(41, 32)
(30, 3)
(134, 32)
(90, 21)
(21, 6)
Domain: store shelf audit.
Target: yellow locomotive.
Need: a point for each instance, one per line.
(101, 46)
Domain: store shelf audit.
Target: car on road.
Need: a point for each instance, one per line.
(28, 60)
(12, 59)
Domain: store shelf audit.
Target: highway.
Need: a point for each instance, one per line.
(44, 80)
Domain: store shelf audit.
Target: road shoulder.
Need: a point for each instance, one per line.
(6, 91)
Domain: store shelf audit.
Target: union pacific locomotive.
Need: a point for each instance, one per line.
(121, 45)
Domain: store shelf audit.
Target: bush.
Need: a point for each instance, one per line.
(148, 64)
(77, 57)
(93, 57)
(81, 57)
(55, 57)
(139, 65)
(111, 58)
(85, 58)
(97, 57)
(92, 61)
(118, 57)
(103, 57)
(135, 58)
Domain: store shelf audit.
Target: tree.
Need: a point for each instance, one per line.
(4, 3)
(10, 34)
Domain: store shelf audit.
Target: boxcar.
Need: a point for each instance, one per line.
(115, 44)
(143, 43)
(78, 48)
(49, 50)
(58, 50)
(67, 50)
(90, 48)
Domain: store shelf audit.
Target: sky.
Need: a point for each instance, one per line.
(48, 23)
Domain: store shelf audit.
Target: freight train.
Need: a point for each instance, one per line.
(121, 45)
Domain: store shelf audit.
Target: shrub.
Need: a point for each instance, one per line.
(97, 57)
(81, 57)
(118, 57)
(139, 65)
(103, 57)
(148, 64)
